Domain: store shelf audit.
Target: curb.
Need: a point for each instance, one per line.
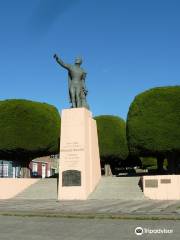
(91, 216)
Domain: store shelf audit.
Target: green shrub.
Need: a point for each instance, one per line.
(112, 137)
(153, 122)
(148, 162)
(28, 129)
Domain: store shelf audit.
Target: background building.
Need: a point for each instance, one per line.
(40, 167)
(44, 166)
(9, 169)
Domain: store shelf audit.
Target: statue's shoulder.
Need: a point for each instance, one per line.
(84, 71)
(70, 66)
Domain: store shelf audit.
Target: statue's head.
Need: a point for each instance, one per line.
(78, 60)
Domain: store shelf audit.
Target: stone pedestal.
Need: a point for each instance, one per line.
(79, 167)
(162, 187)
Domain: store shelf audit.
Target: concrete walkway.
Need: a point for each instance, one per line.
(91, 207)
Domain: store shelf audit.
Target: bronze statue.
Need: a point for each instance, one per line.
(76, 82)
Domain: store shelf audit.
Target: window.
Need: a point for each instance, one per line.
(35, 167)
(3, 170)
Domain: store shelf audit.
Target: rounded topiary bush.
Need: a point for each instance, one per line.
(112, 138)
(28, 129)
(153, 123)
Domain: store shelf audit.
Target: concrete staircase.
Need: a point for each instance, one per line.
(43, 189)
(126, 188)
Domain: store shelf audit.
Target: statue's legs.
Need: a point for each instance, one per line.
(73, 96)
(78, 96)
(75, 91)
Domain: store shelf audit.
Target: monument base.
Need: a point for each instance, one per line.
(79, 167)
(162, 187)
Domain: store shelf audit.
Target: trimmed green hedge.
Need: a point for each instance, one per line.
(28, 129)
(153, 123)
(149, 162)
(112, 137)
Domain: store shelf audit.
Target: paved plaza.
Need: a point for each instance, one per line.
(91, 207)
(36, 214)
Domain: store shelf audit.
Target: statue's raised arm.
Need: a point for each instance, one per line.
(60, 61)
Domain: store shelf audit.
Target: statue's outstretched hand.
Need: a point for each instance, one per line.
(56, 57)
(60, 62)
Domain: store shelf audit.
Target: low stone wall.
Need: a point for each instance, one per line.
(10, 187)
(162, 187)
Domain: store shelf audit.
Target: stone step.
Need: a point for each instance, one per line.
(108, 188)
(43, 189)
(118, 188)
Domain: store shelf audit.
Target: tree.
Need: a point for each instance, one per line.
(153, 125)
(112, 140)
(28, 130)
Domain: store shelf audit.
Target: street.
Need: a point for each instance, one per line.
(51, 228)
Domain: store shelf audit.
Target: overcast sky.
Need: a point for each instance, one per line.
(128, 46)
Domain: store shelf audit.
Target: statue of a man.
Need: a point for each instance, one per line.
(76, 82)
